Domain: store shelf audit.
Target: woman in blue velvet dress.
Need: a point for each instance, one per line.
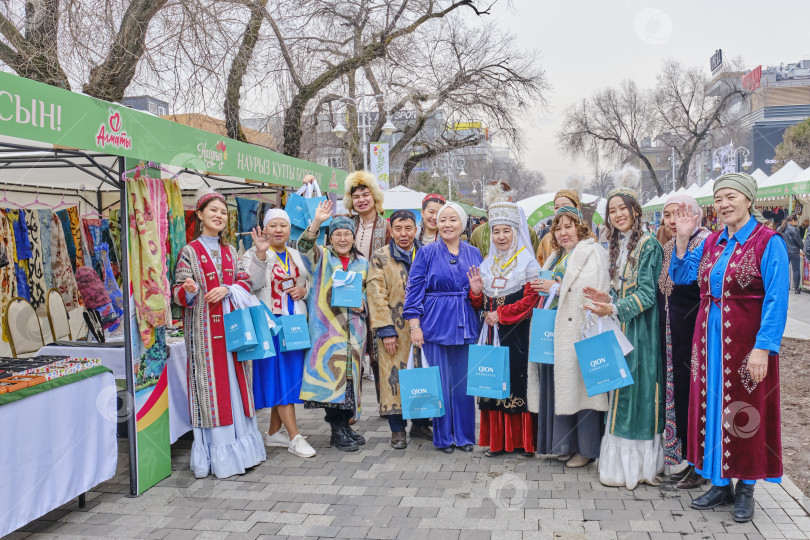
(439, 310)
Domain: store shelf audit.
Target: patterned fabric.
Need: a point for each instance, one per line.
(22, 243)
(114, 225)
(44, 225)
(160, 198)
(208, 379)
(338, 335)
(248, 218)
(673, 451)
(113, 248)
(67, 237)
(36, 275)
(177, 224)
(229, 234)
(8, 279)
(23, 289)
(64, 280)
(149, 285)
(116, 297)
(76, 232)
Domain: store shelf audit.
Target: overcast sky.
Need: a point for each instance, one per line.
(587, 44)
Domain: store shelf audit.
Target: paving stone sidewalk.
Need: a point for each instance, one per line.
(417, 493)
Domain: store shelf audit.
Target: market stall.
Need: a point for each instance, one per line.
(91, 158)
(540, 207)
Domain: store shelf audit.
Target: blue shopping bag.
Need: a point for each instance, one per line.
(488, 368)
(296, 232)
(297, 210)
(312, 206)
(239, 331)
(541, 336)
(347, 289)
(602, 363)
(266, 326)
(420, 390)
(294, 333)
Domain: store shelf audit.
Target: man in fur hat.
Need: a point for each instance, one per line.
(363, 199)
(496, 191)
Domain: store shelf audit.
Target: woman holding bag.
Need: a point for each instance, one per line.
(569, 422)
(507, 303)
(338, 335)
(220, 390)
(632, 450)
(280, 281)
(441, 318)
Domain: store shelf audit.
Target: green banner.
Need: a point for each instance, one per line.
(40, 112)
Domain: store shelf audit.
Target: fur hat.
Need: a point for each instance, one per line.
(497, 191)
(366, 179)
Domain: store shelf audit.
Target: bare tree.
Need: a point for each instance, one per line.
(611, 124)
(600, 183)
(34, 51)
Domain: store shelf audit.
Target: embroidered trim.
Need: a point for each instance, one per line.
(745, 375)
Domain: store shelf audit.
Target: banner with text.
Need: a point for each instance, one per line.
(379, 163)
(39, 112)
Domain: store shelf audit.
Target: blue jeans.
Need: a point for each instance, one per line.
(796, 270)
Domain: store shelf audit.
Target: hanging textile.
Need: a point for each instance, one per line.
(190, 221)
(114, 230)
(21, 241)
(148, 276)
(177, 224)
(44, 223)
(67, 237)
(64, 279)
(8, 279)
(76, 232)
(248, 218)
(36, 271)
(229, 234)
(117, 299)
(113, 249)
(160, 200)
(91, 236)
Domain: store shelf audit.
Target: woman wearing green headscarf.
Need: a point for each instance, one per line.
(734, 412)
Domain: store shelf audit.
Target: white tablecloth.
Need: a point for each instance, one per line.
(113, 358)
(55, 446)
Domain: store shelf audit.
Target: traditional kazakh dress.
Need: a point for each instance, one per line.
(227, 440)
(438, 293)
(277, 380)
(734, 422)
(632, 447)
(338, 335)
(507, 424)
(677, 312)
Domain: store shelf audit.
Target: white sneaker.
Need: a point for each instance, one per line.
(300, 447)
(276, 439)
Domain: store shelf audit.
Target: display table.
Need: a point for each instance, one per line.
(59, 441)
(113, 358)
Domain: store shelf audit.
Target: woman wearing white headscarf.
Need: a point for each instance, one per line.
(508, 300)
(280, 280)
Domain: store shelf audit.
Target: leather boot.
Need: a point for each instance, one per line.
(743, 502)
(352, 434)
(398, 440)
(421, 432)
(680, 475)
(691, 481)
(713, 498)
(340, 439)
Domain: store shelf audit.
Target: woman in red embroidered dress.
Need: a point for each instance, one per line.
(227, 440)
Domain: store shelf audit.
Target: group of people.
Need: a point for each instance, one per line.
(704, 313)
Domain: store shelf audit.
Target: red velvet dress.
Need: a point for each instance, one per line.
(507, 424)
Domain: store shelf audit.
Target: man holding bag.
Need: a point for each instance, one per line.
(387, 277)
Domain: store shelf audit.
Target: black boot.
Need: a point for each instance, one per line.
(713, 498)
(743, 502)
(340, 439)
(352, 434)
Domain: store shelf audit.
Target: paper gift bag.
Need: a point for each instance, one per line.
(421, 391)
(602, 363)
(266, 326)
(596, 325)
(294, 333)
(239, 331)
(541, 337)
(297, 210)
(488, 368)
(347, 289)
(295, 234)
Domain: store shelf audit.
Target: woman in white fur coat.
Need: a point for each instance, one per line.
(569, 422)
(280, 280)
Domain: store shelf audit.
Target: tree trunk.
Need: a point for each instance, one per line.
(233, 124)
(110, 80)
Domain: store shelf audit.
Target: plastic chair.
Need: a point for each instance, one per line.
(22, 327)
(58, 318)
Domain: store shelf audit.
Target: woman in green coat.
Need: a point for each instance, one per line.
(632, 447)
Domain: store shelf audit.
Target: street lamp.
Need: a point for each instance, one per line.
(449, 164)
(339, 130)
(729, 159)
(362, 122)
(389, 128)
(475, 191)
